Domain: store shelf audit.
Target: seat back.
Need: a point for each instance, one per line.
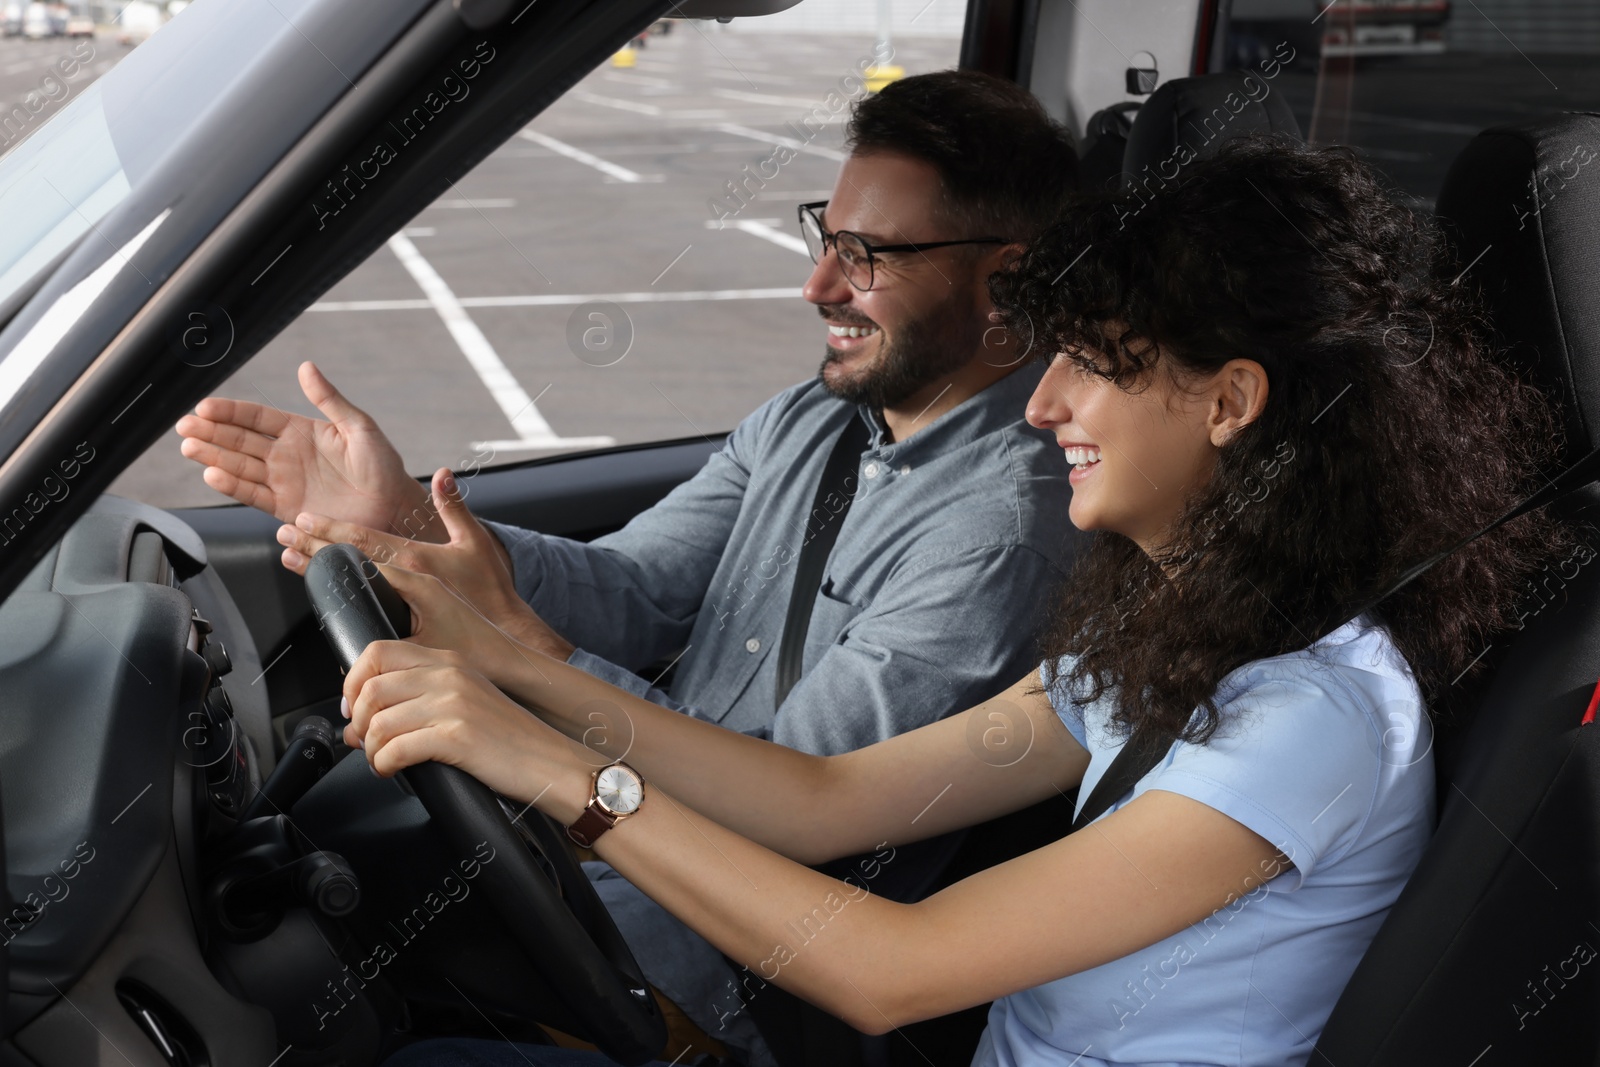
(1191, 118)
(1491, 955)
(1132, 143)
(1104, 141)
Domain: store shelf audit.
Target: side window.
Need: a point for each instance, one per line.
(1408, 83)
(625, 269)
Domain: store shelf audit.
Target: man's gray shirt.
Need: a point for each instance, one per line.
(929, 604)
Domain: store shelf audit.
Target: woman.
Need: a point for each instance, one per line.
(1273, 407)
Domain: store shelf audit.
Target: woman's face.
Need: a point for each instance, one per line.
(1138, 455)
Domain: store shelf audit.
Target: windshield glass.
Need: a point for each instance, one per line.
(64, 176)
(54, 186)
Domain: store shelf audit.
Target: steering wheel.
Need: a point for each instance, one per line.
(572, 942)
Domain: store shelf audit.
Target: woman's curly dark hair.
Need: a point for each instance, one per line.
(1389, 430)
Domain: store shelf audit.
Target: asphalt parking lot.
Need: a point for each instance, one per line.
(475, 327)
(577, 288)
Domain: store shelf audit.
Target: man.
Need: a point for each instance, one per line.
(950, 513)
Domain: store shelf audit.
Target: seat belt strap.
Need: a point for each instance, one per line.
(836, 489)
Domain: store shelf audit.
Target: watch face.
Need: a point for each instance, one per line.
(620, 790)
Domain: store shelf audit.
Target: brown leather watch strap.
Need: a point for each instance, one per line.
(594, 821)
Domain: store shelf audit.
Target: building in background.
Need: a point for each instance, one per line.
(1535, 27)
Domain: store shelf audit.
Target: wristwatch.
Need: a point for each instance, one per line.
(616, 793)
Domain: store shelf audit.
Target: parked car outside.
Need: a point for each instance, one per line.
(36, 22)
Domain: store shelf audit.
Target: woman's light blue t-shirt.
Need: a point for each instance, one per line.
(1327, 754)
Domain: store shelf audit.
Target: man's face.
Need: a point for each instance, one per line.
(926, 312)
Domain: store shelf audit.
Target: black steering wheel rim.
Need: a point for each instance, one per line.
(563, 928)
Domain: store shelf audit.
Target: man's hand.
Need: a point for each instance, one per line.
(442, 620)
(286, 464)
(472, 565)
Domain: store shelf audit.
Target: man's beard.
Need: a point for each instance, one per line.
(922, 351)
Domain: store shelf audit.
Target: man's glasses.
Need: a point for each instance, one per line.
(857, 255)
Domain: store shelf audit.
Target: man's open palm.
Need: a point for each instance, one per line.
(285, 464)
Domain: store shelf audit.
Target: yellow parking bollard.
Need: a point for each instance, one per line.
(877, 77)
(624, 58)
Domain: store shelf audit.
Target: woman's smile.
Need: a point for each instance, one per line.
(1083, 457)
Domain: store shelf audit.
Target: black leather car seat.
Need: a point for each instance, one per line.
(1491, 955)
(1184, 118)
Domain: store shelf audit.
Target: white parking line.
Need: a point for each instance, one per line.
(758, 228)
(530, 427)
(732, 76)
(766, 98)
(639, 79)
(778, 139)
(611, 101)
(474, 205)
(562, 300)
(610, 170)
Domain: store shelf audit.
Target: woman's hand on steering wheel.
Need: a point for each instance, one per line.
(409, 704)
(440, 619)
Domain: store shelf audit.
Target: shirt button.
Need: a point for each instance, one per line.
(906, 469)
(872, 470)
(752, 645)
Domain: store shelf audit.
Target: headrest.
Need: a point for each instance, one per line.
(1189, 118)
(1521, 204)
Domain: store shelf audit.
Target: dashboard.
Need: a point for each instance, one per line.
(127, 738)
(165, 909)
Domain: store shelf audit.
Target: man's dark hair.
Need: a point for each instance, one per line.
(1005, 165)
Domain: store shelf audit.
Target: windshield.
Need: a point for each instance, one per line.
(66, 175)
(54, 186)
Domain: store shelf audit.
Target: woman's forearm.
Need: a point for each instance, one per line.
(777, 796)
(763, 910)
